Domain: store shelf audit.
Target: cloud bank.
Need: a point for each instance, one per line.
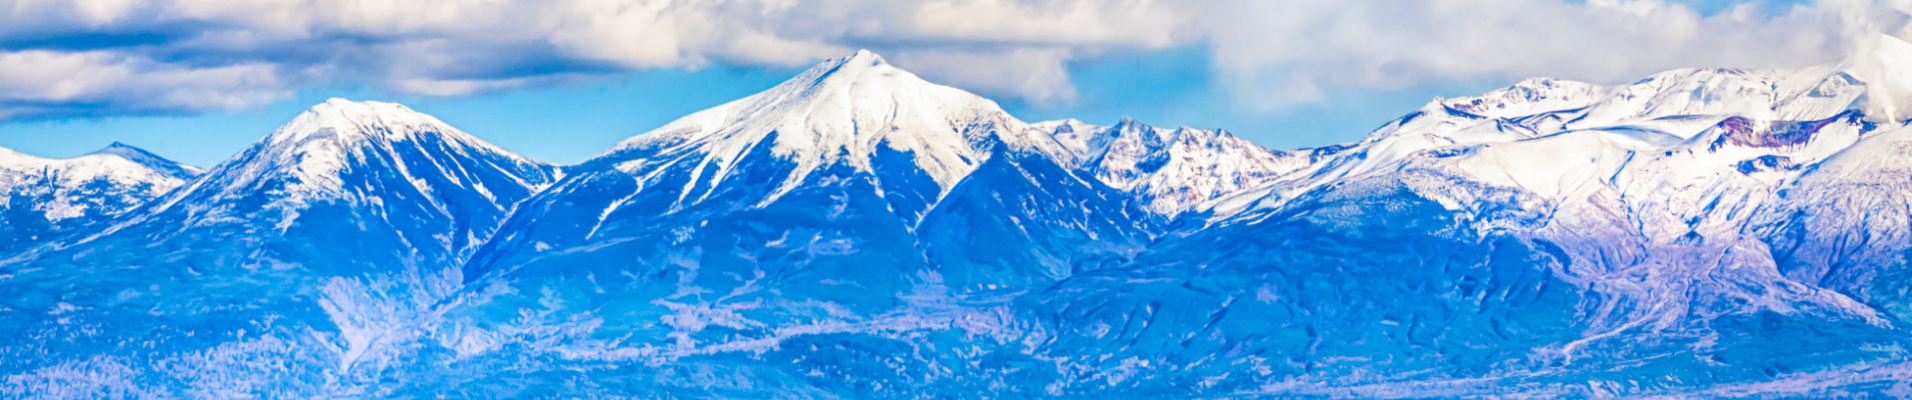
(62, 58)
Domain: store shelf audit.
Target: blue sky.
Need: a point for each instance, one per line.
(1284, 75)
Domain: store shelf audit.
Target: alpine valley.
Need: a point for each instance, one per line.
(857, 232)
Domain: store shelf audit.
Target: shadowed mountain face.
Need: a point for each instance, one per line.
(857, 232)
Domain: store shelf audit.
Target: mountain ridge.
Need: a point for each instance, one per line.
(859, 232)
(313, 248)
(47, 197)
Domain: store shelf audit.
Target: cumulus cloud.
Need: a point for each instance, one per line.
(105, 56)
(459, 47)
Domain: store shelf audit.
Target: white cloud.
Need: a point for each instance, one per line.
(1127, 23)
(43, 80)
(100, 12)
(459, 87)
(1036, 74)
(457, 47)
(1878, 60)
(1272, 53)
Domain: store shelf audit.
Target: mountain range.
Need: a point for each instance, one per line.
(858, 232)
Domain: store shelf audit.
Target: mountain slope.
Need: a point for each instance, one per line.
(47, 196)
(313, 247)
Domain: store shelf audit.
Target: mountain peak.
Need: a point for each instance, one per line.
(340, 123)
(123, 150)
(317, 147)
(148, 159)
(346, 117)
(1148, 135)
(862, 69)
(856, 64)
(842, 111)
(867, 57)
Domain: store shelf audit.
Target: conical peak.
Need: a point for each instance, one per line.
(849, 100)
(867, 57)
(862, 59)
(864, 70)
(123, 150)
(841, 112)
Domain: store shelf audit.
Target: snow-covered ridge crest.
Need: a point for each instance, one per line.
(1529, 97)
(1172, 170)
(351, 121)
(1514, 136)
(320, 143)
(308, 159)
(117, 162)
(147, 159)
(1547, 106)
(346, 117)
(73, 187)
(841, 111)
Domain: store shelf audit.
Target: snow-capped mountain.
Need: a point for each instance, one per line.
(295, 259)
(418, 173)
(844, 112)
(878, 138)
(859, 232)
(1587, 213)
(1694, 220)
(847, 191)
(47, 196)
